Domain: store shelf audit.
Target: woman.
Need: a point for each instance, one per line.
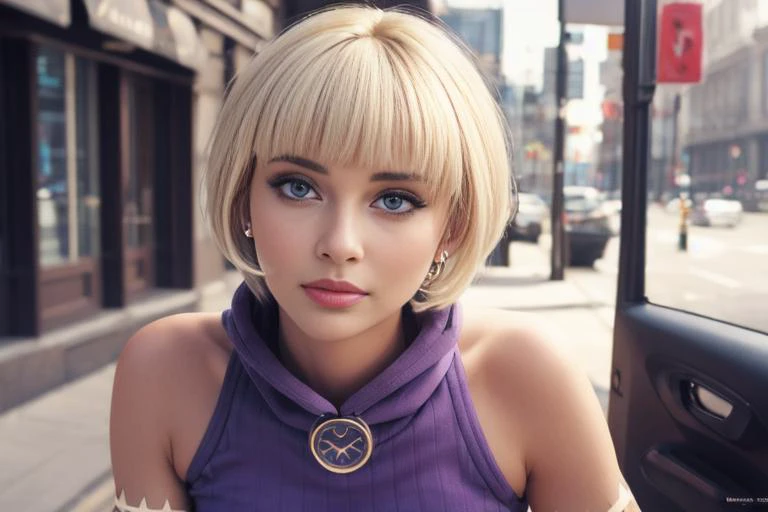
(358, 177)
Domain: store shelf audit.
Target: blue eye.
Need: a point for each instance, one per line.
(296, 189)
(396, 203)
(393, 202)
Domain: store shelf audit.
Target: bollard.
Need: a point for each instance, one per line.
(682, 242)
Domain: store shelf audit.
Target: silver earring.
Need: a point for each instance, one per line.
(436, 268)
(248, 232)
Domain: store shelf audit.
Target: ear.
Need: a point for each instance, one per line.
(245, 225)
(439, 253)
(243, 210)
(443, 247)
(448, 244)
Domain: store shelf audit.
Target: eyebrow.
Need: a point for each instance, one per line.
(303, 162)
(314, 166)
(395, 176)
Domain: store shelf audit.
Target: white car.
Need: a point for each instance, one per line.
(717, 212)
(612, 206)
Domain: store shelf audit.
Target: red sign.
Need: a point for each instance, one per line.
(611, 110)
(681, 43)
(615, 42)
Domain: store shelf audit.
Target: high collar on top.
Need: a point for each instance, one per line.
(394, 394)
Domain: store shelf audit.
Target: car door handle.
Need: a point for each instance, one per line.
(696, 400)
(708, 401)
(688, 480)
(714, 406)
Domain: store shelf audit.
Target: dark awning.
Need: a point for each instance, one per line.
(55, 11)
(151, 25)
(176, 36)
(128, 20)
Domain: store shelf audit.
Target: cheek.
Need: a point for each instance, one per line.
(279, 239)
(272, 246)
(407, 250)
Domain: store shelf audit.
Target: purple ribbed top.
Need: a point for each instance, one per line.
(429, 452)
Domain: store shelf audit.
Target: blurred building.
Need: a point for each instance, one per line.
(511, 99)
(106, 107)
(725, 117)
(585, 50)
(575, 81)
(482, 31)
(610, 153)
(536, 143)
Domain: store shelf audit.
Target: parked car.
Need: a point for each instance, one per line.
(757, 200)
(717, 212)
(531, 216)
(611, 200)
(612, 206)
(587, 225)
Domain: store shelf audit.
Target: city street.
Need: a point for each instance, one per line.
(723, 275)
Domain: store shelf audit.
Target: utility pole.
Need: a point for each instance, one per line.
(675, 139)
(558, 228)
(683, 182)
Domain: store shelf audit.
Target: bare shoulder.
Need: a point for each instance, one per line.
(488, 329)
(171, 354)
(523, 363)
(516, 353)
(175, 341)
(167, 382)
(531, 397)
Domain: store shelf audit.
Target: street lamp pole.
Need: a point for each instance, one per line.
(675, 138)
(683, 181)
(558, 228)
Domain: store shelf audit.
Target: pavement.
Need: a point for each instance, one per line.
(54, 450)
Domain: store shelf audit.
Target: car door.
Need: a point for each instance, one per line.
(688, 406)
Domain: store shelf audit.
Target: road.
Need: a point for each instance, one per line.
(723, 275)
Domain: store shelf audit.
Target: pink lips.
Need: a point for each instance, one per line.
(334, 294)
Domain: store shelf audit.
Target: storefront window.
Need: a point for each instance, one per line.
(67, 194)
(138, 180)
(53, 190)
(88, 202)
(138, 191)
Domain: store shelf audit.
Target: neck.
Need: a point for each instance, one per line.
(336, 369)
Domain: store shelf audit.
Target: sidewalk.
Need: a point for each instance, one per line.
(54, 451)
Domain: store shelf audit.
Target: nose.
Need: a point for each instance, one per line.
(341, 240)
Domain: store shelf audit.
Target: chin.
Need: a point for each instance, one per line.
(328, 324)
(332, 325)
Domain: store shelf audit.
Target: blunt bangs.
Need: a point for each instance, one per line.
(356, 106)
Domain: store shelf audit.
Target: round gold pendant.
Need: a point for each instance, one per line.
(341, 445)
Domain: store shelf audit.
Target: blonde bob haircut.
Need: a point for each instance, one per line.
(361, 87)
